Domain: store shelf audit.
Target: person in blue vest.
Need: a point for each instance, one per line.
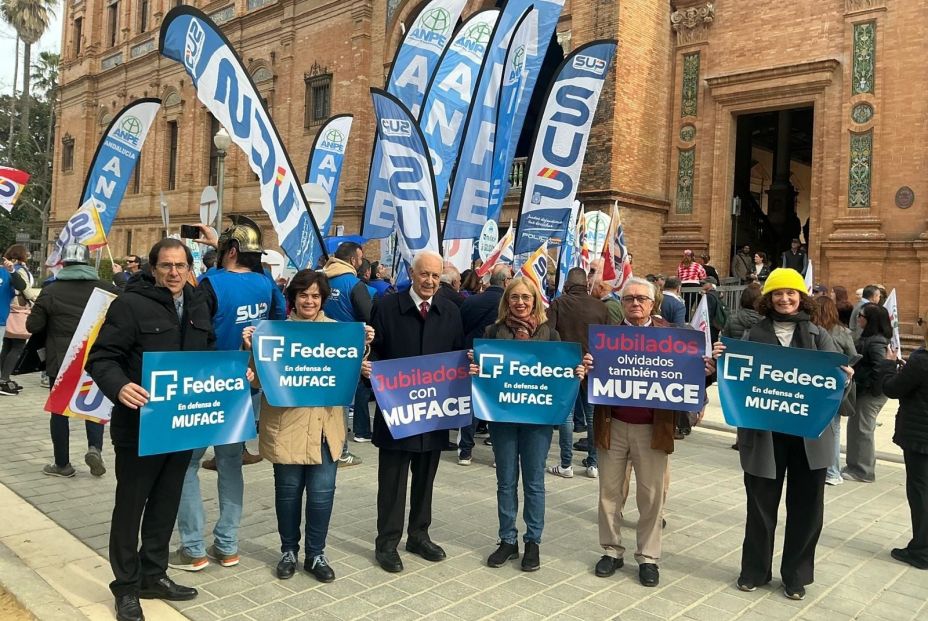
(351, 300)
(238, 294)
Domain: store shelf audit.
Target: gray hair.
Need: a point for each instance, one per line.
(449, 274)
(639, 282)
(425, 254)
(499, 275)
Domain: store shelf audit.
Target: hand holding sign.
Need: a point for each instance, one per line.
(133, 396)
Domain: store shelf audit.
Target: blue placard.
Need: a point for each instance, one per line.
(784, 389)
(525, 381)
(195, 399)
(423, 393)
(308, 363)
(647, 367)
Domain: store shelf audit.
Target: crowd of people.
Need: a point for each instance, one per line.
(163, 306)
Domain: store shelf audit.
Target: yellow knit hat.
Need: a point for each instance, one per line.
(784, 278)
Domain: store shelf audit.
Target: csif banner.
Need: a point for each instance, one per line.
(531, 382)
(195, 399)
(401, 186)
(553, 169)
(326, 159)
(308, 363)
(647, 368)
(783, 389)
(223, 85)
(109, 173)
(451, 93)
(423, 393)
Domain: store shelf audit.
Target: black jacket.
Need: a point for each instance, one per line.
(400, 332)
(447, 291)
(58, 310)
(479, 311)
(910, 385)
(143, 319)
(739, 322)
(873, 350)
(572, 314)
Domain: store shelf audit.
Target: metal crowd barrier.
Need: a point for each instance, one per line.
(731, 295)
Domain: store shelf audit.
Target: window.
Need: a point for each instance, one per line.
(318, 100)
(112, 23)
(172, 155)
(143, 15)
(129, 241)
(213, 153)
(67, 153)
(78, 33)
(137, 177)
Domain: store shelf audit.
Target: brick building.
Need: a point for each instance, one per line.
(810, 113)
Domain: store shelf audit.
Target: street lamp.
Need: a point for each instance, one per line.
(222, 140)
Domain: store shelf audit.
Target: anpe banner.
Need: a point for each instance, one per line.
(525, 381)
(109, 173)
(647, 367)
(326, 159)
(418, 54)
(451, 92)
(74, 393)
(783, 389)
(401, 188)
(12, 183)
(423, 393)
(225, 87)
(195, 399)
(552, 173)
(307, 363)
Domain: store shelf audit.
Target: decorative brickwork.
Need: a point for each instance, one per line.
(863, 72)
(685, 173)
(858, 195)
(690, 93)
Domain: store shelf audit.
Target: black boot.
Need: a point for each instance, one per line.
(128, 608)
(505, 552)
(530, 561)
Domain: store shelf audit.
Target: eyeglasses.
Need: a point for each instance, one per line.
(525, 297)
(182, 268)
(640, 299)
(132, 261)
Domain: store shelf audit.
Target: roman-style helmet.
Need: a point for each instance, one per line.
(245, 231)
(74, 253)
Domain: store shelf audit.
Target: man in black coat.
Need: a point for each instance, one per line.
(415, 322)
(163, 313)
(479, 311)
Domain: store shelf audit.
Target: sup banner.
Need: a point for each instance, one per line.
(451, 92)
(326, 159)
(195, 399)
(559, 147)
(783, 389)
(308, 363)
(423, 393)
(74, 393)
(525, 381)
(12, 183)
(647, 368)
(109, 173)
(223, 85)
(401, 186)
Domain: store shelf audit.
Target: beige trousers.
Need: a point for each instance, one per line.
(631, 444)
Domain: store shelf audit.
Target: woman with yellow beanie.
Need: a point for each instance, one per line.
(767, 456)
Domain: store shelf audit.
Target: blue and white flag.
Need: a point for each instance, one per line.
(553, 169)
(418, 54)
(109, 172)
(308, 363)
(189, 37)
(567, 251)
(326, 159)
(401, 186)
(195, 399)
(450, 95)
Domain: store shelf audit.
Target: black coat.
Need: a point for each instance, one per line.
(873, 350)
(909, 384)
(447, 291)
(479, 311)
(400, 332)
(143, 319)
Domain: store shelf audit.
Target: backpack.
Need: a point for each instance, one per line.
(719, 318)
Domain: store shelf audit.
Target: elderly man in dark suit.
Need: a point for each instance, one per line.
(415, 322)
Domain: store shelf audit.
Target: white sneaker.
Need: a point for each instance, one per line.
(592, 472)
(361, 439)
(464, 460)
(834, 481)
(567, 473)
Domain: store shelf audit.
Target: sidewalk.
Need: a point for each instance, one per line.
(855, 577)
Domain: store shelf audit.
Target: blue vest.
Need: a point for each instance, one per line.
(339, 306)
(6, 295)
(243, 298)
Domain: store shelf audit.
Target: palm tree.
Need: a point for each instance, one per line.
(30, 19)
(45, 80)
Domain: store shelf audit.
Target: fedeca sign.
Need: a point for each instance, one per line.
(782, 389)
(196, 399)
(308, 363)
(530, 382)
(647, 367)
(423, 393)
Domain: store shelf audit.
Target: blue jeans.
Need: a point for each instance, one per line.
(519, 446)
(834, 470)
(191, 519)
(362, 411)
(565, 440)
(319, 482)
(586, 408)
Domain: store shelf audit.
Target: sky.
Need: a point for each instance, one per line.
(50, 42)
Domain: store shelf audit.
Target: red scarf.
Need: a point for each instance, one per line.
(522, 329)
